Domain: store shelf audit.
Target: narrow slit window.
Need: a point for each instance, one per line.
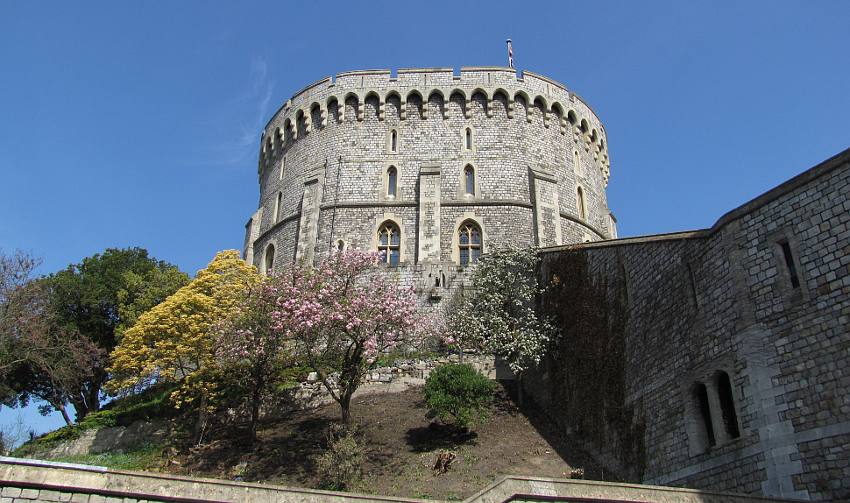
(469, 180)
(282, 168)
(394, 141)
(789, 263)
(277, 205)
(340, 245)
(582, 212)
(727, 404)
(392, 181)
(693, 284)
(468, 140)
(701, 398)
(625, 277)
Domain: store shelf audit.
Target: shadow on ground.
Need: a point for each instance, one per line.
(568, 447)
(400, 445)
(438, 436)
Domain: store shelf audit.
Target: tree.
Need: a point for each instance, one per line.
(253, 355)
(141, 291)
(15, 271)
(39, 357)
(48, 360)
(174, 342)
(498, 313)
(99, 295)
(341, 315)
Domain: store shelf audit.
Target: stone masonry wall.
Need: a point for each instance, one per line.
(333, 140)
(30, 481)
(724, 301)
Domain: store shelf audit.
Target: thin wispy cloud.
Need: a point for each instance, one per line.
(240, 121)
(261, 95)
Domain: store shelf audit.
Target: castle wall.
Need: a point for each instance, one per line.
(32, 481)
(721, 300)
(333, 141)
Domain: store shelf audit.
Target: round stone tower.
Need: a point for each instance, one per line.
(432, 168)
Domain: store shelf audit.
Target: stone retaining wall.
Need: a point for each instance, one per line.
(735, 356)
(403, 374)
(29, 481)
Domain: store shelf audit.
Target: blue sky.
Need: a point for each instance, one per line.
(136, 123)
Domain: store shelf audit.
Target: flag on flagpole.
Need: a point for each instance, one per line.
(510, 54)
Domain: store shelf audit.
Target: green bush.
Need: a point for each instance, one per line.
(342, 464)
(458, 394)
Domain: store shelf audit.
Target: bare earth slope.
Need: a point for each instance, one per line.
(402, 445)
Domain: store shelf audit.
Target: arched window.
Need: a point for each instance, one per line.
(268, 260)
(469, 180)
(469, 242)
(394, 141)
(389, 243)
(282, 168)
(340, 245)
(727, 404)
(582, 212)
(277, 205)
(467, 142)
(392, 181)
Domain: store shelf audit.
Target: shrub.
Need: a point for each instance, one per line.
(458, 394)
(342, 464)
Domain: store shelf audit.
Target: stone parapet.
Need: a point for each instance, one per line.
(32, 481)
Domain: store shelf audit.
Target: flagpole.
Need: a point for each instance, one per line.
(510, 54)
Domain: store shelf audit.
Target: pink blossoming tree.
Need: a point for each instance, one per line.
(341, 315)
(253, 357)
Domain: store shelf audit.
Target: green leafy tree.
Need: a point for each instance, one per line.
(458, 394)
(101, 294)
(141, 291)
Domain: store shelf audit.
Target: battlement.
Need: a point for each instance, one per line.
(468, 76)
(310, 108)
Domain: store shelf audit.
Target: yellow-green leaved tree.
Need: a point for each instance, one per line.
(173, 341)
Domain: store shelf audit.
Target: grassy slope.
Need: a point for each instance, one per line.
(151, 404)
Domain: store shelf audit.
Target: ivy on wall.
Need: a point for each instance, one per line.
(586, 364)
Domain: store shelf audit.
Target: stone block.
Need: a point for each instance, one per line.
(29, 494)
(48, 495)
(10, 492)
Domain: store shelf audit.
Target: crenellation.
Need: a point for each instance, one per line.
(345, 126)
(490, 81)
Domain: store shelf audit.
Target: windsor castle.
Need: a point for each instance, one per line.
(733, 342)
